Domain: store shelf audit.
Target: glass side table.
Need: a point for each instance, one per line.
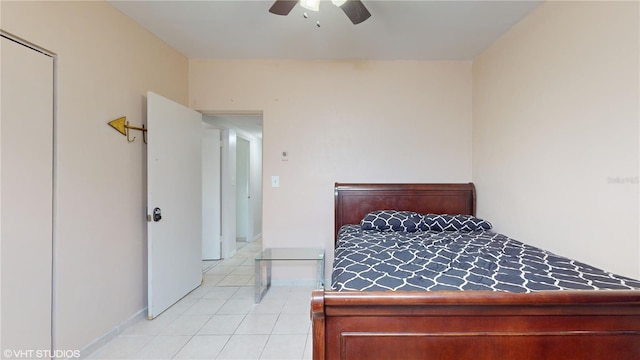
(269, 255)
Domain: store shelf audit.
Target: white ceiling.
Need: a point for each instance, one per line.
(397, 30)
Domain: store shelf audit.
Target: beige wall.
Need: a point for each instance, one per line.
(106, 63)
(555, 109)
(555, 127)
(370, 121)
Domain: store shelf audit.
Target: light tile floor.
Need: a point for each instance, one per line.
(219, 320)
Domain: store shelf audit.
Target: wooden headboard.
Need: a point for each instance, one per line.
(354, 201)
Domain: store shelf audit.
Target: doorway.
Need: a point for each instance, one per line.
(243, 194)
(241, 179)
(211, 197)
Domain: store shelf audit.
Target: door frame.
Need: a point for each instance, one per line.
(249, 214)
(212, 206)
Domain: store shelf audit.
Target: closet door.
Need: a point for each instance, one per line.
(211, 196)
(26, 215)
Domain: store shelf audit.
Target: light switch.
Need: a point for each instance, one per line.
(275, 181)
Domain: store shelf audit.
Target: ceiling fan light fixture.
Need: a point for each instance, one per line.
(338, 3)
(313, 5)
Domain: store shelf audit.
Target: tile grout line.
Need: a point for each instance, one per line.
(219, 278)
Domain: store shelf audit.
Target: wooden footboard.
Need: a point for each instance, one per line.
(476, 325)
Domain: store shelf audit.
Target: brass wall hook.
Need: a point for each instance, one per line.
(144, 132)
(123, 127)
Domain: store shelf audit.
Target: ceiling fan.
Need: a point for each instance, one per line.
(354, 9)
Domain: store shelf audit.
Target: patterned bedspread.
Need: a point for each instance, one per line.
(371, 260)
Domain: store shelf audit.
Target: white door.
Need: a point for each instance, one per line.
(242, 189)
(26, 198)
(211, 200)
(174, 202)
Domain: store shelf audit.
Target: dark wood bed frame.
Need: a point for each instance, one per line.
(464, 324)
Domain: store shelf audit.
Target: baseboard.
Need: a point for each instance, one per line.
(257, 237)
(293, 282)
(99, 342)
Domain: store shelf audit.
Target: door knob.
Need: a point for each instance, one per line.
(157, 214)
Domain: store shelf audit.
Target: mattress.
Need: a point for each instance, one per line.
(371, 260)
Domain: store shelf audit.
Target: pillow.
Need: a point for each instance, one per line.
(391, 220)
(437, 222)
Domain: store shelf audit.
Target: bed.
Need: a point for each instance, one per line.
(472, 323)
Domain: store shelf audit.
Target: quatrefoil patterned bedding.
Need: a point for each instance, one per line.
(467, 256)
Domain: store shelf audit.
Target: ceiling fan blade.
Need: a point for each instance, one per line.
(282, 7)
(356, 11)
